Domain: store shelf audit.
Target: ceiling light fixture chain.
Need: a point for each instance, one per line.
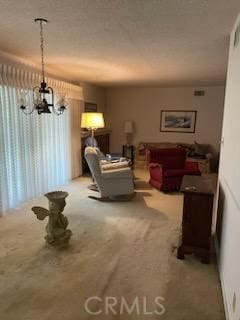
(43, 95)
(42, 49)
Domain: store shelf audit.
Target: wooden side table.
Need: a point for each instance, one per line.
(128, 152)
(197, 217)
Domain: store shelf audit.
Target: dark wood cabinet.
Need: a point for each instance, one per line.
(103, 144)
(197, 217)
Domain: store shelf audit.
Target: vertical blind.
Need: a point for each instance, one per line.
(34, 150)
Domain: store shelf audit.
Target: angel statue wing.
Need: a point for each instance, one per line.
(40, 212)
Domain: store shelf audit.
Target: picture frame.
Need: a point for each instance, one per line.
(90, 107)
(178, 121)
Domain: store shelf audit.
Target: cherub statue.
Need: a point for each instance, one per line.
(57, 232)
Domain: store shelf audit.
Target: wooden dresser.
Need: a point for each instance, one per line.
(197, 217)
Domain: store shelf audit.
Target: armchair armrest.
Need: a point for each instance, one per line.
(114, 166)
(121, 173)
(153, 165)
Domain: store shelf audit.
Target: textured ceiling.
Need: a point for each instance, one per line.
(124, 42)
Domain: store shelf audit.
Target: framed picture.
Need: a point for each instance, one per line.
(90, 107)
(178, 121)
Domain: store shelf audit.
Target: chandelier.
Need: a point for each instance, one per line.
(43, 95)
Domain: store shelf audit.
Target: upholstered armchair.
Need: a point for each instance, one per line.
(168, 166)
(113, 183)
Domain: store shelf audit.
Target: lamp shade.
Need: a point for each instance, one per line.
(128, 127)
(92, 120)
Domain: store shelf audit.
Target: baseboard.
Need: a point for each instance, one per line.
(221, 279)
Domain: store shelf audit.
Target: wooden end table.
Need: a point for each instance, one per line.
(128, 152)
(197, 217)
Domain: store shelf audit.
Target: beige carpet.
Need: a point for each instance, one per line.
(122, 249)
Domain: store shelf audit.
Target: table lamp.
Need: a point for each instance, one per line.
(92, 121)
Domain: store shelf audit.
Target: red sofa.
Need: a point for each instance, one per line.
(168, 166)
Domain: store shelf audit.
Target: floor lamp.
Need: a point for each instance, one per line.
(92, 121)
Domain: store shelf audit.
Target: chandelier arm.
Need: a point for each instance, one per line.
(28, 113)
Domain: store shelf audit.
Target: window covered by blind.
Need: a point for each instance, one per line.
(34, 151)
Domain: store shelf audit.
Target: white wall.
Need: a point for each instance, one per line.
(229, 179)
(95, 94)
(143, 106)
